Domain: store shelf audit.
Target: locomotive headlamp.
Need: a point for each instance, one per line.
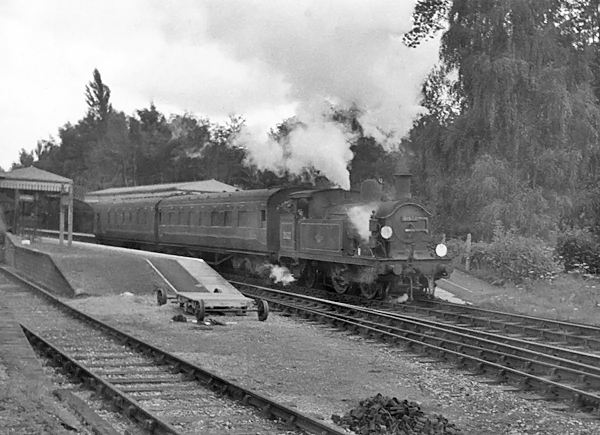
(386, 232)
(441, 250)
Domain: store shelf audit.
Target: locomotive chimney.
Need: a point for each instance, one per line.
(402, 185)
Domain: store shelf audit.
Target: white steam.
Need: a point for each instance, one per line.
(321, 146)
(335, 53)
(359, 216)
(281, 274)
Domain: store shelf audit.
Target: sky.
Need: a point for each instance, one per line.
(265, 60)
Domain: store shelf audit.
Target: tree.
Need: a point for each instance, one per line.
(429, 17)
(150, 136)
(225, 159)
(97, 97)
(189, 138)
(525, 93)
(25, 160)
(46, 154)
(75, 146)
(112, 160)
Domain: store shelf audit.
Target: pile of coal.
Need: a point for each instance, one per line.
(379, 415)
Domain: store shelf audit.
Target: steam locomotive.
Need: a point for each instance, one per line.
(345, 240)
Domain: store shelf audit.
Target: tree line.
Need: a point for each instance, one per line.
(108, 148)
(512, 133)
(510, 136)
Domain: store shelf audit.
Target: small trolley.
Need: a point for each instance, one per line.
(199, 303)
(204, 290)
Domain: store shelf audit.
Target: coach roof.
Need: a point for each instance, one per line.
(239, 196)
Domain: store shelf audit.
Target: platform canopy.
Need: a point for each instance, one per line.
(32, 178)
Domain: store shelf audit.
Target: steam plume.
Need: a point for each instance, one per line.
(359, 216)
(322, 146)
(281, 274)
(334, 53)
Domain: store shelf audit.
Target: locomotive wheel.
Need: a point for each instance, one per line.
(161, 296)
(339, 281)
(199, 310)
(309, 275)
(374, 290)
(263, 309)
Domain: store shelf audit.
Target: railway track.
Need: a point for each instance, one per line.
(558, 360)
(568, 334)
(529, 363)
(563, 334)
(157, 391)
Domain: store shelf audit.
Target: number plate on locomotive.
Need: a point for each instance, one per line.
(413, 218)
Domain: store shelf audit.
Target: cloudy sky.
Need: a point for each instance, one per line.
(263, 59)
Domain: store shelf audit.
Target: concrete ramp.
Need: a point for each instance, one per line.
(177, 275)
(214, 282)
(195, 280)
(114, 274)
(85, 269)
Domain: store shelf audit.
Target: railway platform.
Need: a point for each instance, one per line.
(85, 269)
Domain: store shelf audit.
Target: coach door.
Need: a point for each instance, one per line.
(158, 217)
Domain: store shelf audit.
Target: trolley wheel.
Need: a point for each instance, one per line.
(161, 296)
(263, 309)
(199, 310)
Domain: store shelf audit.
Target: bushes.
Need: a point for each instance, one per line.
(579, 250)
(518, 259)
(514, 258)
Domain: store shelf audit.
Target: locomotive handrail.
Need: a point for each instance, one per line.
(402, 204)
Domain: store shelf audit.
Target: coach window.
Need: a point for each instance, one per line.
(188, 219)
(243, 219)
(160, 217)
(217, 219)
(122, 217)
(227, 219)
(263, 218)
(199, 218)
(172, 218)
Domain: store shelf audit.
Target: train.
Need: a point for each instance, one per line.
(343, 240)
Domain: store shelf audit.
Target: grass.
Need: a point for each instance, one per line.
(570, 297)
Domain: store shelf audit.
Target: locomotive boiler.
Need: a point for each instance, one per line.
(345, 240)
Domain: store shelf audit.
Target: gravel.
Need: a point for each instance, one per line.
(322, 371)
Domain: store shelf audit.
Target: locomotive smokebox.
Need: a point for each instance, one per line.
(402, 185)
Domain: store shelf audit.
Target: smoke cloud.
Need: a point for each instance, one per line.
(336, 53)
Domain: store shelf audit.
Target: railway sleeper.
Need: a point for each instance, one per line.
(85, 413)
